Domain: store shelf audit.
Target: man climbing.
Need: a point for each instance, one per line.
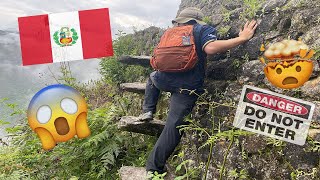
(176, 78)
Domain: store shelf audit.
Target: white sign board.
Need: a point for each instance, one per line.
(274, 115)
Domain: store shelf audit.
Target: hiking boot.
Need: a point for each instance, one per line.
(148, 116)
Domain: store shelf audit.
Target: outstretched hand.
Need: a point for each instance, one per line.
(248, 30)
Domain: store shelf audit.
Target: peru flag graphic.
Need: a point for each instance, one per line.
(65, 36)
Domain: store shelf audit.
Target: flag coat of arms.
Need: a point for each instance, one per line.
(65, 36)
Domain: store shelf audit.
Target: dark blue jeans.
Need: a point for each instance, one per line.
(180, 106)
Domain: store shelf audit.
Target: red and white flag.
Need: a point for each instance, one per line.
(65, 36)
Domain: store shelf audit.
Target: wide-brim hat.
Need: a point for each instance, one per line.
(190, 14)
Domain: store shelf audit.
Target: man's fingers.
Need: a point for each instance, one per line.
(255, 26)
(252, 24)
(248, 31)
(246, 25)
(240, 29)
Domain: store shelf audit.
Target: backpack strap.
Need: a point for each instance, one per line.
(197, 37)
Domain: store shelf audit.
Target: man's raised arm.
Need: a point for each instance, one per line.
(245, 34)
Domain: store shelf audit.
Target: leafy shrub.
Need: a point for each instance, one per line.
(97, 157)
(251, 9)
(114, 72)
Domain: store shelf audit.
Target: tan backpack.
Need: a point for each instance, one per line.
(176, 51)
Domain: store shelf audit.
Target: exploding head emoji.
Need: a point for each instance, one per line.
(288, 64)
(57, 113)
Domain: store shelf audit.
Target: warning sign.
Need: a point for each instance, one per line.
(274, 115)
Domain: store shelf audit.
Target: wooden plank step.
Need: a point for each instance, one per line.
(136, 87)
(134, 124)
(138, 173)
(135, 60)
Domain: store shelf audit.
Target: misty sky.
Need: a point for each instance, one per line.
(124, 14)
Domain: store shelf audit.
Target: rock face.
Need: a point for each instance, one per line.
(258, 157)
(278, 19)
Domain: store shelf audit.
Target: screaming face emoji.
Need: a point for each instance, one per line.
(288, 63)
(288, 75)
(57, 113)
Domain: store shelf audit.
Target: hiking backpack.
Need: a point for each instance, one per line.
(176, 51)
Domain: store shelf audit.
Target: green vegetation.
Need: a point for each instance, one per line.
(96, 157)
(246, 57)
(114, 72)
(236, 64)
(242, 174)
(207, 19)
(211, 136)
(99, 156)
(314, 146)
(226, 14)
(251, 8)
(185, 167)
(223, 31)
(298, 173)
(156, 175)
(317, 54)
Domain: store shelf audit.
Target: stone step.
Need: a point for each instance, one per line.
(135, 60)
(138, 173)
(134, 124)
(136, 87)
